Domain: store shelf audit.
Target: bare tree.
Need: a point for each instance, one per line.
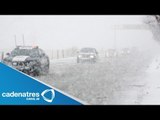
(157, 18)
(154, 24)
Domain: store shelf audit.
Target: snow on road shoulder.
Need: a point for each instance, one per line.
(152, 90)
(155, 65)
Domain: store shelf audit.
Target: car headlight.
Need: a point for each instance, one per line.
(91, 56)
(79, 56)
(27, 68)
(15, 63)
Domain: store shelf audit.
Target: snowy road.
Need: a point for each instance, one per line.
(152, 88)
(122, 80)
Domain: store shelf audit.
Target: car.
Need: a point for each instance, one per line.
(125, 51)
(87, 55)
(28, 59)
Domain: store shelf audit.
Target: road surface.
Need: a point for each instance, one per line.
(120, 80)
(152, 88)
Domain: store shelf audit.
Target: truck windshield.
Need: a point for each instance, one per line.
(24, 52)
(87, 50)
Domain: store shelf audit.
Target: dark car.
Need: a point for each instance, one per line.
(30, 60)
(87, 55)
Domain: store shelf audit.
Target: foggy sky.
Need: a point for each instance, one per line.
(60, 32)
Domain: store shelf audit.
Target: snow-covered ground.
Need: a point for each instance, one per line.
(61, 61)
(133, 79)
(152, 88)
(117, 80)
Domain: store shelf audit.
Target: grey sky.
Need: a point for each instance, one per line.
(60, 32)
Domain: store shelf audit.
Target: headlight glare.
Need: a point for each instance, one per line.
(91, 56)
(15, 63)
(79, 56)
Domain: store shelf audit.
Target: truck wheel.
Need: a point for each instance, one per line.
(46, 69)
(38, 71)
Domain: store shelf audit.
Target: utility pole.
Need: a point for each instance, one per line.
(23, 40)
(52, 54)
(115, 38)
(115, 41)
(57, 54)
(15, 40)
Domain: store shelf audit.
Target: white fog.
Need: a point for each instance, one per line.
(60, 32)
